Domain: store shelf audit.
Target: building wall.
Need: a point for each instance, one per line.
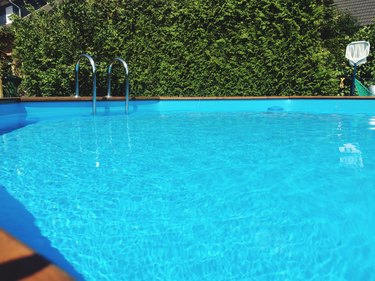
(6, 8)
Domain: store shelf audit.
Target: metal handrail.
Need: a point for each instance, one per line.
(93, 78)
(126, 81)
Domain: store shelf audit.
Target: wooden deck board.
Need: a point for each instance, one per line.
(19, 262)
(73, 99)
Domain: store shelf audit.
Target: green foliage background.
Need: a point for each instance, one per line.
(366, 72)
(5, 37)
(187, 47)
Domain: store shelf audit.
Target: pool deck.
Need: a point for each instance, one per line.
(89, 98)
(18, 262)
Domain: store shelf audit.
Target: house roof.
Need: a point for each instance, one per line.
(362, 10)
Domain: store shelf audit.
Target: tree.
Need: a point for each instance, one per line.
(5, 60)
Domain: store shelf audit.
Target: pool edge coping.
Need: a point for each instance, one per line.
(89, 98)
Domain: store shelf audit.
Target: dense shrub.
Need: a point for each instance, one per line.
(366, 72)
(5, 60)
(184, 47)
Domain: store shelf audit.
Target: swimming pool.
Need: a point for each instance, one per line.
(194, 190)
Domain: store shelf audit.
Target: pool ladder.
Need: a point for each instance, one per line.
(91, 60)
(109, 74)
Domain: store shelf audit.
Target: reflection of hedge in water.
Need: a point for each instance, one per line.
(181, 48)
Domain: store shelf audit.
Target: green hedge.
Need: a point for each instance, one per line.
(184, 47)
(366, 72)
(5, 60)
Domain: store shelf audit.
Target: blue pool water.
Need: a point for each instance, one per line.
(199, 194)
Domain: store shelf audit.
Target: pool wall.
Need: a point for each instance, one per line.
(12, 115)
(18, 113)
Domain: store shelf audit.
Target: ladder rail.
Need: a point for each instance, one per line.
(91, 60)
(109, 74)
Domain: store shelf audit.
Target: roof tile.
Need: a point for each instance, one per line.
(362, 10)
